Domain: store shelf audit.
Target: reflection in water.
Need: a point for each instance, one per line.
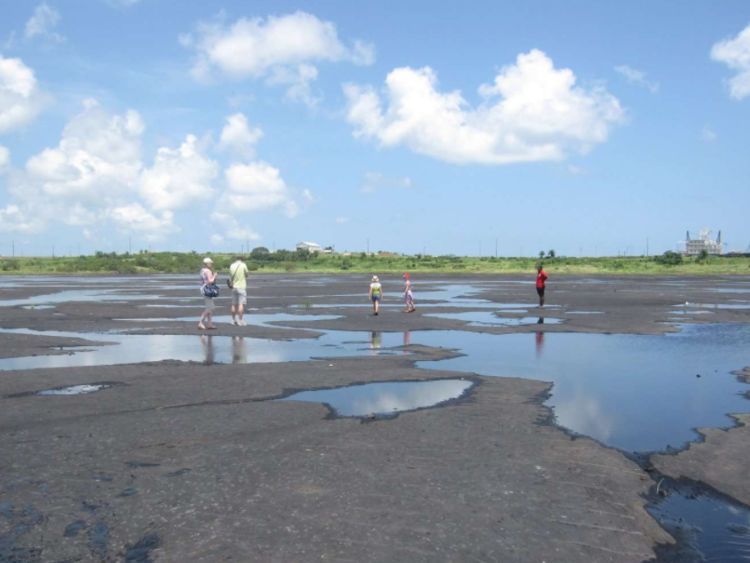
(407, 338)
(73, 390)
(239, 351)
(385, 399)
(376, 339)
(718, 528)
(207, 344)
(643, 389)
(481, 318)
(539, 339)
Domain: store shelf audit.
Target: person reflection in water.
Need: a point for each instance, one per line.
(376, 340)
(539, 338)
(407, 340)
(208, 349)
(239, 352)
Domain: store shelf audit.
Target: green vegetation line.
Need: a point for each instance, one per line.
(301, 261)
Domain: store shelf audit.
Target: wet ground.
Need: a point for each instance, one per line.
(479, 427)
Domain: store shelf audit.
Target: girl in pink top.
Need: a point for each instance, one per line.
(408, 295)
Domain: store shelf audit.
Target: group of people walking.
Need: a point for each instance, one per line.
(237, 282)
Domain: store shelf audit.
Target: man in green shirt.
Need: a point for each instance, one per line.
(238, 278)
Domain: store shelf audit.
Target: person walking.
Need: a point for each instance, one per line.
(408, 295)
(238, 282)
(376, 294)
(208, 284)
(541, 278)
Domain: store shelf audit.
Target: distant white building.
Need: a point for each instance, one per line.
(694, 246)
(309, 246)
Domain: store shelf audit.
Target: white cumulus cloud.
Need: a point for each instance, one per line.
(239, 137)
(178, 177)
(43, 22)
(13, 218)
(133, 217)
(735, 53)
(281, 49)
(20, 99)
(97, 158)
(257, 186)
(531, 112)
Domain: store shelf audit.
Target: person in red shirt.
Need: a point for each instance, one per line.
(541, 277)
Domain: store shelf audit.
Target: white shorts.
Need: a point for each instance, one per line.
(239, 296)
(208, 303)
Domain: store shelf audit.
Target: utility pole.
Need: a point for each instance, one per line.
(495, 247)
(646, 247)
(368, 246)
(13, 248)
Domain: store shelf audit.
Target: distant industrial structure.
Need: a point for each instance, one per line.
(695, 246)
(310, 247)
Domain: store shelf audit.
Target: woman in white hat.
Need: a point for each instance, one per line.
(208, 277)
(376, 294)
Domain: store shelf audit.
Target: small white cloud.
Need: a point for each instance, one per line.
(15, 219)
(531, 112)
(298, 81)
(4, 159)
(708, 135)
(178, 177)
(43, 22)
(231, 228)
(238, 137)
(20, 99)
(576, 170)
(375, 181)
(281, 49)
(135, 218)
(254, 187)
(638, 77)
(342, 220)
(122, 3)
(735, 53)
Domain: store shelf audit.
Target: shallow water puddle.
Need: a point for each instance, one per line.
(251, 318)
(74, 295)
(204, 347)
(385, 399)
(717, 528)
(484, 318)
(72, 390)
(633, 392)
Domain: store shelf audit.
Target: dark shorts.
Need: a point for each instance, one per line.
(540, 291)
(375, 298)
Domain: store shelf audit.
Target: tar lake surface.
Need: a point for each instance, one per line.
(636, 393)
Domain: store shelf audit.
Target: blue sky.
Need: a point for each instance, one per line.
(590, 128)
